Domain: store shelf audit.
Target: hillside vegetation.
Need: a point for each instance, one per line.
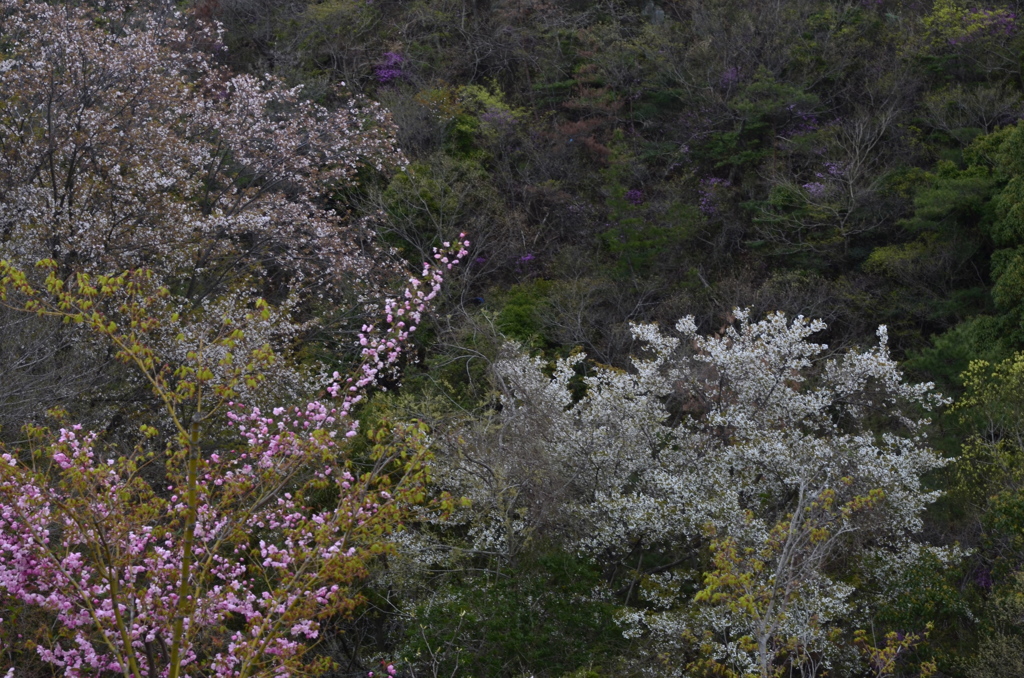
(715, 367)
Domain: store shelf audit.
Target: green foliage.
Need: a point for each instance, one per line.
(952, 22)
(944, 259)
(930, 589)
(639, 237)
(759, 111)
(1000, 653)
(963, 212)
(982, 337)
(990, 472)
(522, 310)
(472, 113)
(536, 618)
(430, 199)
(885, 659)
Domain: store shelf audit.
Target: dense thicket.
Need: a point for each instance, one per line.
(613, 162)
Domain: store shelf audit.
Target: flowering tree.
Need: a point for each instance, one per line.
(793, 466)
(123, 144)
(220, 559)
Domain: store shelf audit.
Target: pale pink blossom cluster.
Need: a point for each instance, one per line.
(402, 316)
(125, 145)
(262, 557)
(381, 344)
(225, 565)
(390, 670)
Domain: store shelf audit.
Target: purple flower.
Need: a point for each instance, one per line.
(802, 122)
(835, 169)
(389, 68)
(499, 119)
(983, 578)
(635, 197)
(730, 76)
(981, 22)
(386, 75)
(815, 189)
(709, 186)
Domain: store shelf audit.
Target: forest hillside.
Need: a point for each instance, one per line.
(508, 338)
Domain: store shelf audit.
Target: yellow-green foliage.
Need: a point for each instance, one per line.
(472, 112)
(952, 23)
(1000, 651)
(992, 457)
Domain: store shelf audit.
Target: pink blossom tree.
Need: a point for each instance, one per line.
(218, 551)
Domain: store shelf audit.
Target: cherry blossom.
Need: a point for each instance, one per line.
(124, 145)
(784, 458)
(225, 562)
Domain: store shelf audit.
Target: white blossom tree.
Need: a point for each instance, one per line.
(125, 145)
(795, 466)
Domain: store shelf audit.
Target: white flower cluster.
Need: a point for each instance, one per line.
(790, 458)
